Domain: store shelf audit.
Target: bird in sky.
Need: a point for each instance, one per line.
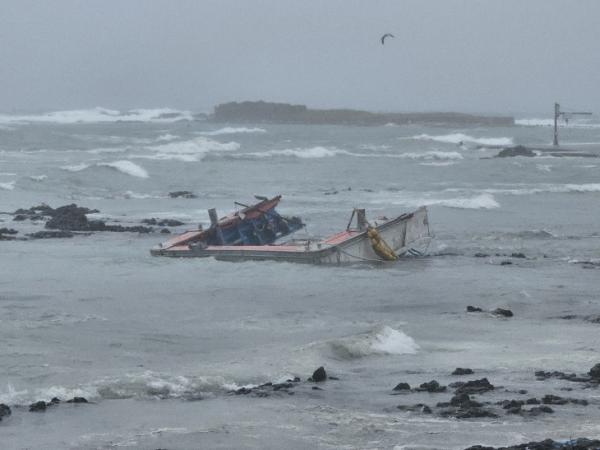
(386, 35)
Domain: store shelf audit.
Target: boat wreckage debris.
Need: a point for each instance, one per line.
(256, 231)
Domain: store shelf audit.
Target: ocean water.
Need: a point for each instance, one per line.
(158, 344)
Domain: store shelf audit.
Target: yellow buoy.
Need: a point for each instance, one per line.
(380, 247)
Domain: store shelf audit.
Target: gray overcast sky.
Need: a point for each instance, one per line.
(486, 56)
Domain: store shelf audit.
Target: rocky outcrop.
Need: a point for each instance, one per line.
(260, 111)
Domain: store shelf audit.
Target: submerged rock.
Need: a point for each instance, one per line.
(419, 407)
(51, 234)
(8, 231)
(78, 400)
(402, 387)
(474, 309)
(4, 411)
(163, 223)
(319, 375)
(462, 371)
(548, 444)
(182, 194)
(518, 150)
(38, 406)
(502, 312)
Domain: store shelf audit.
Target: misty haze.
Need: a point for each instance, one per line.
(276, 224)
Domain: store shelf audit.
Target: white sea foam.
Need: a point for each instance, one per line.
(123, 166)
(303, 153)
(100, 115)
(438, 163)
(166, 137)
(7, 186)
(76, 167)
(328, 152)
(127, 167)
(547, 188)
(38, 177)
(97, 151)
(408, 199)
(537, 122)
(232, 130)
(190, 150)
(457, 138)
(380, 341)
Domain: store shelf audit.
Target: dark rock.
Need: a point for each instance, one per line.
(50, 234)
(182, 194)
(165, 231)
(316, 388)
(522, 391)
(4, 411)
(475, 387)
(55, 400)
(474, 309)
(518, 255)
(554, 400)
(548, 444)
(542, 375)
(502, 312)
(419, 407)
(333, 378)
(78, 400)
(163, 223)
(279, 386)
(532, 401)
(537, 410)
(464, 401)
(461, 371)
(319, 375)
(481, 255)
(518, 150)
(431, 386)
(506, 263)
(595, 372)
(8, 231)
(402, 387)
(38, 406)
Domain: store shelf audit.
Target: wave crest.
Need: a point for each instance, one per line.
(457, 138)
(380, 341)
(100, 115)
(123, 166)
(233, 130)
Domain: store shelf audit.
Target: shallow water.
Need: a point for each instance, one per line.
(157, 343)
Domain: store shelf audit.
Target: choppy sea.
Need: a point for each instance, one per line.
(157, 344)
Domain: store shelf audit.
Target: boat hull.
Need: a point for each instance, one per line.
(407, 234)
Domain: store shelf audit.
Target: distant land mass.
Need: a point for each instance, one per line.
(268, 112)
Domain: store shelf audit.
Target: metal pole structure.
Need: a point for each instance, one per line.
(556, 115)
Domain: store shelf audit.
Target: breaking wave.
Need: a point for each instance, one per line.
(100, 115)
(549, 188)
(189, 151)
(457, 138)
(123, 166)
(146, 385)
(408, 199)
(231, 130)
(325, 152)
(8, 185)
(380, 341)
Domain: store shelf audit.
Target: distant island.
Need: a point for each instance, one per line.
(269, 112)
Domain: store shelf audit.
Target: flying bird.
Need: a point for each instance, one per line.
(386, 35)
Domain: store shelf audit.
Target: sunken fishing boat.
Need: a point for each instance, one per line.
(258, 232)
